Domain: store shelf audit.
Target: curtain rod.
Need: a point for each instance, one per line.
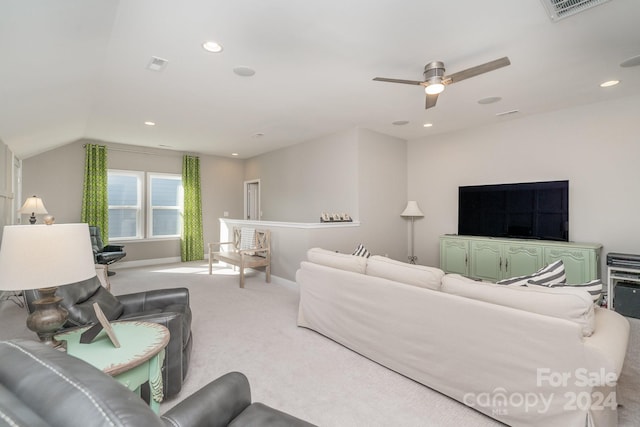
(127, 150)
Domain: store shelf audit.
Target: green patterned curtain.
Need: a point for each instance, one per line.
(192, 243)
(95, 204)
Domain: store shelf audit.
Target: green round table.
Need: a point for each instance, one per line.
(138, 360)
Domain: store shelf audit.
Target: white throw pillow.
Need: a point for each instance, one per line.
(411, 274)
(564, 303)
(347, 262)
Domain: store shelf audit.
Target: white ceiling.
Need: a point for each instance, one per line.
(72, 69)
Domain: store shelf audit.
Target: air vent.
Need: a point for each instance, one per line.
(157, 64)
(560, 9)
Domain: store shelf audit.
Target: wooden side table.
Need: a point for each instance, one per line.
(138, 360)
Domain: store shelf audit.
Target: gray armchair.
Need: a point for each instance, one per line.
(42, 387)
(168, 307)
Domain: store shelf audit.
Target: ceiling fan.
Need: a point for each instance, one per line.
(435, 80)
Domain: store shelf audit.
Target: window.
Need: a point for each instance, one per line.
(165, 205)
(124, 189)
(138, 211)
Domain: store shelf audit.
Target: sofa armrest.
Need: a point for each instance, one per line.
(216, 404)
(154, 299)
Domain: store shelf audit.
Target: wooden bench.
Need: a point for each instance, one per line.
(257, 254)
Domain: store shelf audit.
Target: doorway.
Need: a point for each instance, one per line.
(252, 200)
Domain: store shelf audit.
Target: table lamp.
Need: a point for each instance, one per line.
(44, 257)
(34, 206)
(413, 211)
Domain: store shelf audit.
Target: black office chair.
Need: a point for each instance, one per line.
(104, 254)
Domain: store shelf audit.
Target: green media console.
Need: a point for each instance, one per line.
(494, 259)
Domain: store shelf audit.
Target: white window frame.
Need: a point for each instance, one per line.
(150, 207)
(139, 210)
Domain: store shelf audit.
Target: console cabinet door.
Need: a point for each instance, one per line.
(521, 260)
(486, 260)
(454, 255)
(581, 265)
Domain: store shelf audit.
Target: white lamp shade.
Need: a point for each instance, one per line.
(42, 256)
(33, 205)
(412, 209)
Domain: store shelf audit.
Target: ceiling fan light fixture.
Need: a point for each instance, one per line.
(434, 88)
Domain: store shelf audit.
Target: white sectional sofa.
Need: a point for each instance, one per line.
(526, 356)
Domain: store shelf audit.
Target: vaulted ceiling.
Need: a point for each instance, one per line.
(72, 69)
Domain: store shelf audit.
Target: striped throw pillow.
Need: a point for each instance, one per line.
(361, 251)
(552, 273)
(594, 288)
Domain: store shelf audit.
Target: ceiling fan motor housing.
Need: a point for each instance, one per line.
(433, 72)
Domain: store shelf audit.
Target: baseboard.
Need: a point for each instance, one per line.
(144, 263)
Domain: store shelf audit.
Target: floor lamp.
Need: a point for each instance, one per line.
(412, 211)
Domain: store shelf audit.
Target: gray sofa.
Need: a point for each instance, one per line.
(42, 387)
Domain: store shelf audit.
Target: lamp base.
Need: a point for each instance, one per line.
(48, 317)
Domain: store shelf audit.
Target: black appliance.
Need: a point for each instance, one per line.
(532, 210)
(627, 299)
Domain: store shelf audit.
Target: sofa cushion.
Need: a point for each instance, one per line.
(575, 305)
(552, 273)
(411, 274)
(347, 262)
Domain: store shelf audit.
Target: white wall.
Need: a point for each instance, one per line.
(595, 147)
(299, 182)
(360, 172)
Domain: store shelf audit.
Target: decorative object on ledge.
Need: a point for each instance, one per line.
(335, 217)
(34, 206)
(412, 211)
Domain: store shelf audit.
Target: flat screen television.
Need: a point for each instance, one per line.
(531, 210)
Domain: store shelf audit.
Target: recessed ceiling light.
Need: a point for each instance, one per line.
(609, 83)
(257, 135)
(148, 123)
(211, 46)
(244, 71)
(506, 113)
(400, 122)
(631, 62)
(427, 125)
(234, 154)
(489, 100)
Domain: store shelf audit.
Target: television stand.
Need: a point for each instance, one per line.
(494, 259)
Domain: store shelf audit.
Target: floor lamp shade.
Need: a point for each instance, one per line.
(412, 211)
(44, 257)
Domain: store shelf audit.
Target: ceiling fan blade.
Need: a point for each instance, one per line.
(477, 70)
(431, 101)
(408, 82)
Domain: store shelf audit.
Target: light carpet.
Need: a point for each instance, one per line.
(253, 330)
